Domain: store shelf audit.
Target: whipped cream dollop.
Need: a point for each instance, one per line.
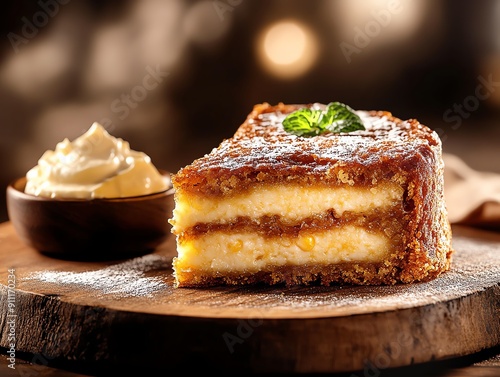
(95, 165)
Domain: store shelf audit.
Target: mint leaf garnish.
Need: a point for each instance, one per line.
(336, 118)
(303, 122)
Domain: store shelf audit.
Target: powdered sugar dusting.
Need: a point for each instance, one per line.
(475, 267)
(124, 279)
(262, 140)
(148, 279)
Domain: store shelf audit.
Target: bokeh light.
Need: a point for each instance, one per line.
(397, 19)
(287, 49)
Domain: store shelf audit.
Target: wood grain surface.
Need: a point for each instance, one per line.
(127, 314)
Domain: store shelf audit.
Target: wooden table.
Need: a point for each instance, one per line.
(482, 364)
(92, 317)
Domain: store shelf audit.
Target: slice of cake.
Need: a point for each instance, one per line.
(361, 207)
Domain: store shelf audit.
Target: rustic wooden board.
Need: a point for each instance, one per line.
(127, 314)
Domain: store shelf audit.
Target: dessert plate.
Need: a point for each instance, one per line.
(127, 315)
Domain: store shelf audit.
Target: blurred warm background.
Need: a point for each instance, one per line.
(174, 77)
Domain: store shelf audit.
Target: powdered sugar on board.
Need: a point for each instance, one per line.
(123, 279)
(471, 272)
(148, 281)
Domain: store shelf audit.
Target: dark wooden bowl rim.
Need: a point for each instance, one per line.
(16, 188)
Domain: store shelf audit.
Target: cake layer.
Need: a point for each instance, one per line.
(345, 273)
(262, 152)
(291, 203)
(220, 252)
(363, 207)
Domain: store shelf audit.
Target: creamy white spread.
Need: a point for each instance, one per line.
(94, 165)
(221, 252)
(290, 202)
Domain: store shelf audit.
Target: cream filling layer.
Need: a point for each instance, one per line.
(220, 252)
(291, 202)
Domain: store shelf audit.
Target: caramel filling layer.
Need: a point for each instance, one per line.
(389, 222)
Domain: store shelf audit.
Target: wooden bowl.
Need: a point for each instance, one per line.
(91, 229)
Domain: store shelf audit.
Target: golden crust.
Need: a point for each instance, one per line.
(348, 273)
(390, 149)
(262, 151)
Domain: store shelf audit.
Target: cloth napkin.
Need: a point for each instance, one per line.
(472, 197)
